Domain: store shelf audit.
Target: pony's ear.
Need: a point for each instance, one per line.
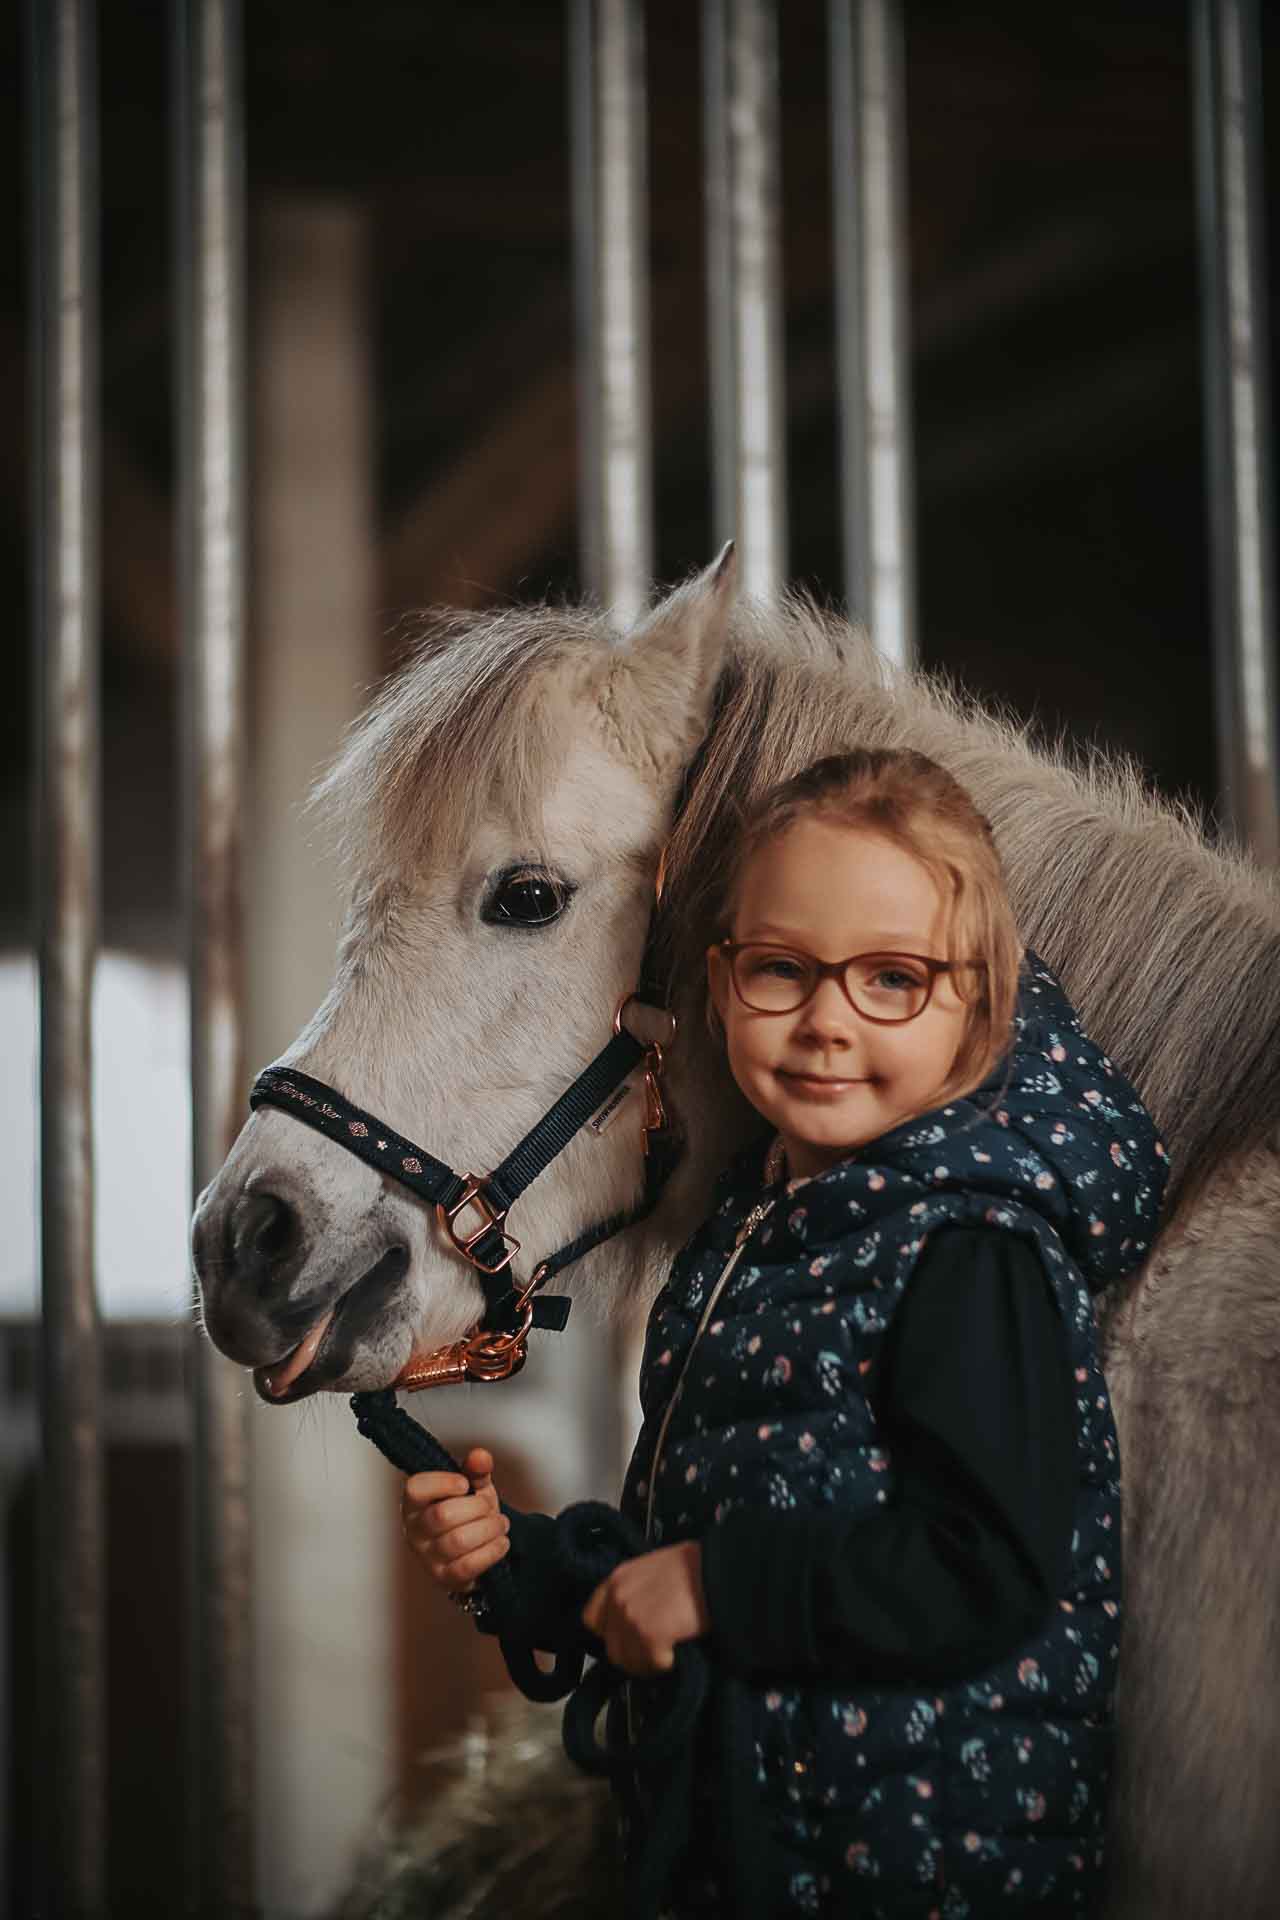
(672, 658)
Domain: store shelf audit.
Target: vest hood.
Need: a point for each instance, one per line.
(1056, 1128)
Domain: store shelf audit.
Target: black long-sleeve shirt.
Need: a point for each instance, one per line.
(977, 1406)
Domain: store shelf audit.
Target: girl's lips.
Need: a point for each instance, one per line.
(816, 1084)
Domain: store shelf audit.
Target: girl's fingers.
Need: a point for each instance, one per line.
(592, 1613)
(461, 1540)
(637, 1655)
(426, 1536)
(445, 1515)
(423, 1489)
(454, 1575)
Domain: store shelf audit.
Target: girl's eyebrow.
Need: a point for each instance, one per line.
(887, 943)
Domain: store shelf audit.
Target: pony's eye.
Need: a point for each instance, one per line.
(526, 899)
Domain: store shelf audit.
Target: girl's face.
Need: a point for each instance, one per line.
(828, 1079)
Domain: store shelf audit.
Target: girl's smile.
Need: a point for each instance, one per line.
(815, 1084)
(829, 1079)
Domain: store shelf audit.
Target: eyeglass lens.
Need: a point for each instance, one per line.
(883, 986)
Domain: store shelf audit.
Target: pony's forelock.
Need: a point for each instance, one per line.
(471, 712)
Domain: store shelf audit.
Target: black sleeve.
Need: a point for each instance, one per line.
(548, 1597)
(978, 1408)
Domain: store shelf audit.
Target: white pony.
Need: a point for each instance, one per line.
(503, 805)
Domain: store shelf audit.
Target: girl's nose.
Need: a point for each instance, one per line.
(828, 1013)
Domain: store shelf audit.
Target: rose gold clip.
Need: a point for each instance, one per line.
(655, 1113)
(480, 1356)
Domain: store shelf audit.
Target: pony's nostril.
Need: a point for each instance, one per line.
(265, 1225)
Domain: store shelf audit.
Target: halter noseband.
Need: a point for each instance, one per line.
(496, 1348)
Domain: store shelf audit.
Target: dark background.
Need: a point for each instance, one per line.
(1061, 513)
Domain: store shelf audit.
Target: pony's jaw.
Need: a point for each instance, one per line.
(366, 1254)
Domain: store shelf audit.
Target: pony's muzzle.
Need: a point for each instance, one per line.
(247, 1257)
(265, 1231)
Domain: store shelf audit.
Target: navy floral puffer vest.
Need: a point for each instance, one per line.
(974, 1797)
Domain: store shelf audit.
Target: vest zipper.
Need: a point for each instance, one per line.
(748, 1227)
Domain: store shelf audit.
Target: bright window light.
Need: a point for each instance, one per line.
(142, 1138)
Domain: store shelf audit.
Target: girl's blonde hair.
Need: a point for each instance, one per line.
(917, 805)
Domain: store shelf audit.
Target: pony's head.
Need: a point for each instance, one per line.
(501, 808)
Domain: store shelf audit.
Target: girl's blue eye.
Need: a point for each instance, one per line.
(896, 980)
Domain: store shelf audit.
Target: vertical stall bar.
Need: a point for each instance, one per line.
(612, 277)
(611, 266)
(210, 251)
(1226, 58)
(868, 171)
(66, 602)
(744, 286)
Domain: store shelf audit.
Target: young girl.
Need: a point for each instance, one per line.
(878, 1470)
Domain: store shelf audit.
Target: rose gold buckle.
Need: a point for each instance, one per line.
(472, 1192)
(617, 1012)
(483, 1355)
(634, 995)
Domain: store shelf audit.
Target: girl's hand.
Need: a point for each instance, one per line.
(648, 1605)
(454, 1525)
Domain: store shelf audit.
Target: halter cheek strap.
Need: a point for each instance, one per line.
(496, 1348)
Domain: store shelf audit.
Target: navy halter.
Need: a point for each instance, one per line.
(496, 1348)
(491, 1248)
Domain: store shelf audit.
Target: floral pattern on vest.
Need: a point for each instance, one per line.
(973, 1797)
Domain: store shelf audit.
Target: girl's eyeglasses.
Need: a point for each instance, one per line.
(886, 988)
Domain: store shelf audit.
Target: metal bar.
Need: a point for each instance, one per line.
(868, 173)
(66, 602)
(1226, 58)
(744, 286)
(210, 250)
(607, 83)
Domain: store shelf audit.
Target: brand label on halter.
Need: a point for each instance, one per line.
(603, 1115)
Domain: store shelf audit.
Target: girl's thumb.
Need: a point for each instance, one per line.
(479, 1468)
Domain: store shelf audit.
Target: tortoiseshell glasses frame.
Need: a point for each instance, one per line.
(815, 971)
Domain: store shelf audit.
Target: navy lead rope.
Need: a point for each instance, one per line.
(591, 1540)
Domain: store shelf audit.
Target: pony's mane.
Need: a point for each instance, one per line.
(472, 705)
(1168, 945)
